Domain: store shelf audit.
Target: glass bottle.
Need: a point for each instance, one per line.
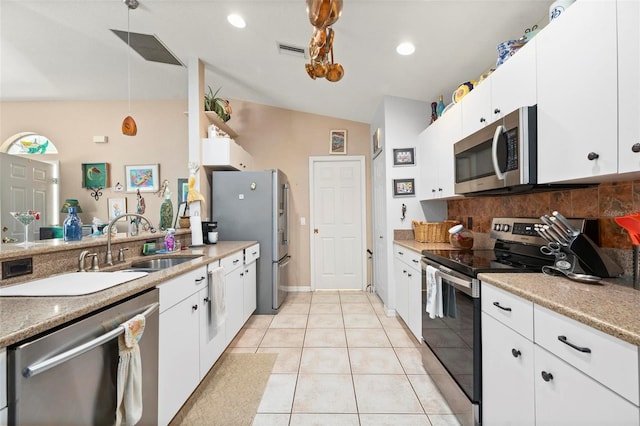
(440, 108)
(72, 226)
(460, 237)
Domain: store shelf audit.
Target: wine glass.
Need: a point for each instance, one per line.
(26, 218)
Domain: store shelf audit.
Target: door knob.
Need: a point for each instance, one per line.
(315, 230)
(635, 147)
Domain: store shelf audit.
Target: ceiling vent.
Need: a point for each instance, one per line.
(149, 47)
(288, 49)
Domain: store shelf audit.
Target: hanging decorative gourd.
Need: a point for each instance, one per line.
(322, 15)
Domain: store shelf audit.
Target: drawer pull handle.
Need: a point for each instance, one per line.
(415, 261)
(564, 340)
(236, 261)
(401, 253)
(199, 280)
(547, 377)
(497, 305)
(516, 353)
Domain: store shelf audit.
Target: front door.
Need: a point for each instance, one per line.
(337, 223)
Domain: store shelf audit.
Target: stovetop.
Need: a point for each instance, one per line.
(473, 262)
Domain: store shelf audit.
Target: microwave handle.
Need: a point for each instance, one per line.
(494, 152)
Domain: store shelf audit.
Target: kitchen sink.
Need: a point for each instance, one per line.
(160, 263)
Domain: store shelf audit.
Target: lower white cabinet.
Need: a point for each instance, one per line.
(250, 290)
(3, 387)
(560, 372)
(234, 293)
(507, 375)
(408, 286)
(212, 328)
(179, 341)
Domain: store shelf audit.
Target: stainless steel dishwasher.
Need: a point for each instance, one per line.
(68, 376)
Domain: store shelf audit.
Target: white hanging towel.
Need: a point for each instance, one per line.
(129, 402)
(218, 308)
(434, 293)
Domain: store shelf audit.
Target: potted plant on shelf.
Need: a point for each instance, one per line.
(218, 105)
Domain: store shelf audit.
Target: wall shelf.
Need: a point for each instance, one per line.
(215, 120)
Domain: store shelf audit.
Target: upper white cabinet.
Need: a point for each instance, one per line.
(224, 154)
(509, 87)
(578, 93)
(629, 86)
(436, 144)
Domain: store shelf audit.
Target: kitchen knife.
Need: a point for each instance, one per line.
(564, 222)
(538, 228)
(549, 227)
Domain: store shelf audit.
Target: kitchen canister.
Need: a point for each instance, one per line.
(72, 226)
(558, 7)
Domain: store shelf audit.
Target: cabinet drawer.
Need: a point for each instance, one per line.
(511, 310)
(408, 256)
(251, 254)
(609, 360)
(232, 261)
(179, 288)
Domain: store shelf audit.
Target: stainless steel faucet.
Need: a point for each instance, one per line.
(94, 262)
(109, 258)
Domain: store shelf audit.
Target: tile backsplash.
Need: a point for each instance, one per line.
(602, 202)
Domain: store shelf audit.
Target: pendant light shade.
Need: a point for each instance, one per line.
(129, 126)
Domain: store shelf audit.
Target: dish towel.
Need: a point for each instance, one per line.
(129, 402)
(217, 306)
(434, 293)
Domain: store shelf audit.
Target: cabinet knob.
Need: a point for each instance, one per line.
(547, 377)
(516, 353)
(206, 300)
(482, 119)
(439, 189)
(433, 190)
(496, 111)
(194, 308)
(592, 156)
(410, 275)
(635, 147)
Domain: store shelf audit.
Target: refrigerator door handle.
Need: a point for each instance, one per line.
(285, 240)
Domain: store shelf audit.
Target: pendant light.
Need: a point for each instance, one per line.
(129, 127)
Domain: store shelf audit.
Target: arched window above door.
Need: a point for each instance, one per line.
(28, 143)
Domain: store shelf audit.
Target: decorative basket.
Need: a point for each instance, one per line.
(432, 232)
(184, 222)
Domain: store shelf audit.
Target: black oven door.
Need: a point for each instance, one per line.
(455, 337)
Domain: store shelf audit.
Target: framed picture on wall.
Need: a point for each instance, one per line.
(338, 142)
(404, 188)
(145, 178)
(95, 175)
(377, 143)
(404, 157)
(117, 207)
(183, 190)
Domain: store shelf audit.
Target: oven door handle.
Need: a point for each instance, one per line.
(494, 152)
(49, 363)
(459, 283)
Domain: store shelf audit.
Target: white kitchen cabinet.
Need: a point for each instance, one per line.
(178, 341)
(513, 84)
(233, 292)
(408, 284)
(507, 375)
(577, 94)
(628, 86)
(565, 396)
(3, 387)
(224, 154)
(476, 108)
(437, 178)
(249, 279)
(212, 329)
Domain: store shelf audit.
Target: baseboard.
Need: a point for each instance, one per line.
(303, 288)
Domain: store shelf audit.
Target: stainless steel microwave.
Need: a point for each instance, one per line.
(499, 158)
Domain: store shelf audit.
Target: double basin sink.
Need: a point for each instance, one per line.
(82, 283)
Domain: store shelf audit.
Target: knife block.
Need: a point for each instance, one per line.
(592, 259)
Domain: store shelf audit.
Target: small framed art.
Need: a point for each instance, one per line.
(338, 142)
(117, 207)
(404, 188)
(377, 143)
(95, 175)
(404, 156)
(144, 177)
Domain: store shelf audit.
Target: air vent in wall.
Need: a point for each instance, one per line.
(287, 49)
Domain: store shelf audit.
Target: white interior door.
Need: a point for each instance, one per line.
(26, 185)
(337, 223)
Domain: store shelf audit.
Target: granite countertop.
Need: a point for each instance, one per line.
(611, 308)
(23, 317)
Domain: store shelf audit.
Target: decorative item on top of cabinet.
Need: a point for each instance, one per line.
(440, 107)
(218, 105)
(434, 113)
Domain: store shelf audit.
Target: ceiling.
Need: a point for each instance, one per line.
(64, 50)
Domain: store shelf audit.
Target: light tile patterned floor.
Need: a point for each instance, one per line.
(342, 361)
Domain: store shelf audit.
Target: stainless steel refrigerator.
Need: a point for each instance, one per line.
(255, 206)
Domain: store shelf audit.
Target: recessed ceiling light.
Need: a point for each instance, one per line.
(405, 48)
(236, 21)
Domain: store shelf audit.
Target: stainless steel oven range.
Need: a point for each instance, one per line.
(452, 329)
